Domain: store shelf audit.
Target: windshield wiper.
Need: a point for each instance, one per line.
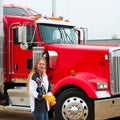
(62, 37)
(67, 36)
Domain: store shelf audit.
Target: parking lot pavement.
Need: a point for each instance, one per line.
(5, 115)
(17, 115)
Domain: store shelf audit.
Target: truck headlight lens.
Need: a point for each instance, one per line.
(102, 85)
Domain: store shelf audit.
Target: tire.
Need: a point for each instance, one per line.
(73, 104)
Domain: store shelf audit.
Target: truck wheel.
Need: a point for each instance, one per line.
(73, 104)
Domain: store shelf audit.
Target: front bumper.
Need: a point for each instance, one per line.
(108, 108)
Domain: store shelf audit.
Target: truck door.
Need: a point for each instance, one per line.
(22, 52)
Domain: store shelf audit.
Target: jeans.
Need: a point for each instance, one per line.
(40, 115)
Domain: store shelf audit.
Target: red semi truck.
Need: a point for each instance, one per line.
(85, 79)
(12, 9)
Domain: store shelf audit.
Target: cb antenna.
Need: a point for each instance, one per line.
(53, 8)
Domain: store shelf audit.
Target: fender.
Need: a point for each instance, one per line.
(83, 81)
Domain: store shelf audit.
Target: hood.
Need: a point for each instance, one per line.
(82, 47)
(93, 59)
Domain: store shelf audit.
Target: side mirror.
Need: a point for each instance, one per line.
(22, 37)
(84, 34)
(78, 34)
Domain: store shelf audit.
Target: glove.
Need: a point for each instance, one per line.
(51, 99)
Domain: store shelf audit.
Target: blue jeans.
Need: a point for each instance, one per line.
(40, 115)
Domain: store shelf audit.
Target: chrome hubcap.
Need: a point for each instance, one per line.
(74, 108)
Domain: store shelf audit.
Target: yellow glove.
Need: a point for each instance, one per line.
(51, 99)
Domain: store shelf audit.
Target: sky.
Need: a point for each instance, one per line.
(100, 17)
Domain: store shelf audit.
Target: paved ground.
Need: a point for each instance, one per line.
(21, 116)
(15, 115)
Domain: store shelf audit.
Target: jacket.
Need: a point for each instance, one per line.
(37, 88)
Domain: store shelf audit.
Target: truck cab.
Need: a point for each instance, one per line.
(12, 9)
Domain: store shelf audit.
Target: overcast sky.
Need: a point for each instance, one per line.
(101, 17)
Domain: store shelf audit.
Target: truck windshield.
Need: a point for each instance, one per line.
(14, 11)
(55, 34)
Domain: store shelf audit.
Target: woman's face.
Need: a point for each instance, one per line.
(41, 66)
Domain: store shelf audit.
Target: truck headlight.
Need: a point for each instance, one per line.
(102, 85)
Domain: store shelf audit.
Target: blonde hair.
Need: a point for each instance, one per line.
(34, 70)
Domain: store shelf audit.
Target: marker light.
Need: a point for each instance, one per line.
(102, 85)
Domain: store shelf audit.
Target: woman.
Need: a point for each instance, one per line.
(38, 87)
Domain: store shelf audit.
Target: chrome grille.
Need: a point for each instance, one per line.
(115, 70)
(37, 53)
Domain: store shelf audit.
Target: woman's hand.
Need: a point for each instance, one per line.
(50, 98)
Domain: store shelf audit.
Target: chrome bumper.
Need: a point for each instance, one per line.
(109, 108)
